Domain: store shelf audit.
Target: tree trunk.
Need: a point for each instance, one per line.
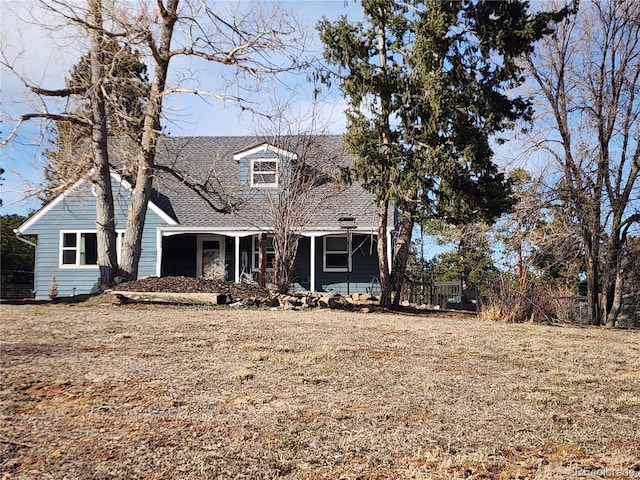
(105, 218)
(383, 258)
(402, 249)
(592, 287)
(262, 259)
(614, 278)
(616, 299)
(132, 245)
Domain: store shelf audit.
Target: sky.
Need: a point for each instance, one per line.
(44, 58)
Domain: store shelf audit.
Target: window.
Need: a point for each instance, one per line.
(336, 254)
(78, 249)
(264, 173)
(270, 251)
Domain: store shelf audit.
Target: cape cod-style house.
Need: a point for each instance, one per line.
(185, 234)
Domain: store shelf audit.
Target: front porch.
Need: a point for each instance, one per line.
(325, 261)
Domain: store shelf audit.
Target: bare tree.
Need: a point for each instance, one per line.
(105, 216)
(307, 168)
(588, 79)
(90, 21)
(252, 41)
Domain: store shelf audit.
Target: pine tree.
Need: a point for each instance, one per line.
(427, 88)
(125, 93)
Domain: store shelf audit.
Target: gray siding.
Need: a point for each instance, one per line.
(77, 211)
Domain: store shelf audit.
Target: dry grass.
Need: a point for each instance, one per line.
(152, 392)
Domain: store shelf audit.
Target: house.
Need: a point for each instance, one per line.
(213, 197)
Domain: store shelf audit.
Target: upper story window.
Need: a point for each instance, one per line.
(80, 248)
(264, 173)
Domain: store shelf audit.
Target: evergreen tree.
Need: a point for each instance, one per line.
(14, 254)
(470, 262)
(427, 86)
(125, 93)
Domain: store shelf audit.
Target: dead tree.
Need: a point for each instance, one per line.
(305, 184)
(588, 76)
(252, 42)
(90, 21)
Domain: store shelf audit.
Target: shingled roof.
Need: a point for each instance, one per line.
(210, 164)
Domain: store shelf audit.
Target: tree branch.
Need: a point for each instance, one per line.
(201, 189)
(61, 117)
(63, 92)
(231, 100)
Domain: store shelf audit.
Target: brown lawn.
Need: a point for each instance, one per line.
(160, 392)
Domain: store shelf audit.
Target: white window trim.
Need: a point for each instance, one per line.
(324, 254)
(252, 173)
(254, 250)
(78, 266)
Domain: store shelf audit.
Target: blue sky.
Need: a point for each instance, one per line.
(45, 60)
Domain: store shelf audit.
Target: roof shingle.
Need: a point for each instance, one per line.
(209, 162)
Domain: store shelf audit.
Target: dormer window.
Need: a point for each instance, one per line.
(264, 173)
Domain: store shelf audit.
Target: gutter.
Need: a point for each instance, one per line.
(19, 236)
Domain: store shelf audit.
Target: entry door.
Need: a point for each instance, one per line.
(210, 261)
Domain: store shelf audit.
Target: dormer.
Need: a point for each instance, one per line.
(260, 166)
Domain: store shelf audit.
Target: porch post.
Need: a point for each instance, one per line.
(237, 258)
(312, 269)
(158, 253)
(262, 259)
(389, 251)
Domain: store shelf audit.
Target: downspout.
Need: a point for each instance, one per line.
(19, 236)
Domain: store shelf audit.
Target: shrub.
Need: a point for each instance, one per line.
(509, 301)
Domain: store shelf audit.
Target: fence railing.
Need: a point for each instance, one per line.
(16, 284)
(446, 295)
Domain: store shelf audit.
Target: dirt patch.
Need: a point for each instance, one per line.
(162, 392)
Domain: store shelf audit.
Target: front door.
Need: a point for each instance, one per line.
(210, 259)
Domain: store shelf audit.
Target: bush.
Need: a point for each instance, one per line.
(514, 302)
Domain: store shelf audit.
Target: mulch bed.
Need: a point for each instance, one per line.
(194, 285)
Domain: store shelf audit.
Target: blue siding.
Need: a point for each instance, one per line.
(179, 258)
(364, 263)
(77, 211)
(244, 171)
